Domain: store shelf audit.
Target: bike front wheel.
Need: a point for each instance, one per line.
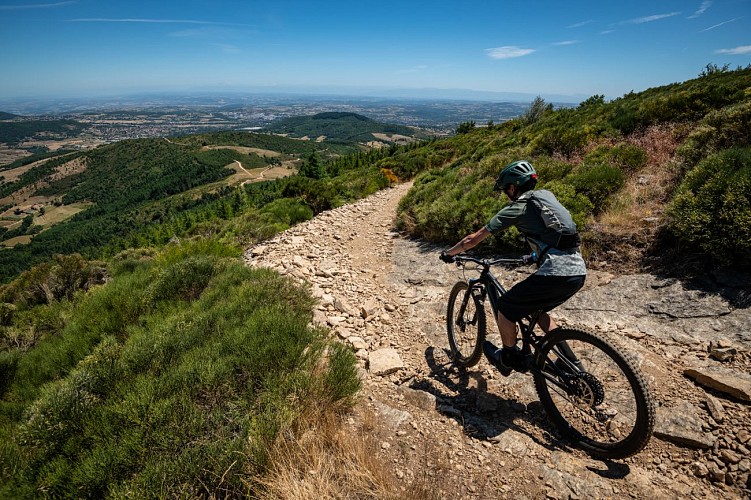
(594, 393)
(465, 325)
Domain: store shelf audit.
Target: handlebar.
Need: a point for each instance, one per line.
(519, 261)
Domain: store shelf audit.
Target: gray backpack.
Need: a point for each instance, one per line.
(560, 229)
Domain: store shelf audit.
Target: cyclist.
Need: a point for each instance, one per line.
(551, 232)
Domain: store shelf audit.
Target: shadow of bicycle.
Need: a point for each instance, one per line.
(486, 416)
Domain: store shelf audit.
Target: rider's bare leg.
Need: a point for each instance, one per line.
(546, 323)
(508, 328)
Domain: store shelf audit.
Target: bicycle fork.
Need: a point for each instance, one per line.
(472, 291)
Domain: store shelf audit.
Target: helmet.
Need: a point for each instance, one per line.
(517, 173)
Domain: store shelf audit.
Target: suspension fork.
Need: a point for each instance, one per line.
(475, 291)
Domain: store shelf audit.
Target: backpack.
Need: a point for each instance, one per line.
(560, 229)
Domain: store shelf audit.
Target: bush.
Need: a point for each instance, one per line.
(627, 157)
(721, 129)
(50, 282)
(287, 212)
(184, 280)
(562, 139)
(711, 210)
(596, 182)
(179, 400)
(551, 169)
(128, 260)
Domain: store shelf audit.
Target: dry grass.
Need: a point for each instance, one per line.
(640, 203)
(54, 215)
(623, 233)
(325, 457)
(266, 153)
(18, 240)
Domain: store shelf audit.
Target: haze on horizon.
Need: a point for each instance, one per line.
(579, 48)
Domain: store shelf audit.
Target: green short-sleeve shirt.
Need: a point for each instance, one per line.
(522, 214)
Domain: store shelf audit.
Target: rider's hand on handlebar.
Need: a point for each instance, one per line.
(529, 259)
(448, 259)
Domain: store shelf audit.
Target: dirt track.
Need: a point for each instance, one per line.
(477, 434)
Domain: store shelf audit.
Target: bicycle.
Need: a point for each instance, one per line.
(591, 390)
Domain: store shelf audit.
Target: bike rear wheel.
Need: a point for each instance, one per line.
(465, 325)
(603, 404)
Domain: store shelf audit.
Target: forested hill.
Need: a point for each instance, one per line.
(337, 127)
(19, 130)
(139, 357)
(144, 192)
(660, 177)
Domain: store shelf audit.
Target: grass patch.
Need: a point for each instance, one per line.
(171, 380)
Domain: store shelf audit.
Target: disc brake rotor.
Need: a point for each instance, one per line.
(587, 389)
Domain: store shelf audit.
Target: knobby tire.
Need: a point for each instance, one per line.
(610, 411)
(466, 329)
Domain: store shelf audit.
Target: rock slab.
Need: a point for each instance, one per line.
(721, 379)
(385, 361)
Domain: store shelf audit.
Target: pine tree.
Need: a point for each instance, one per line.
(312, 168)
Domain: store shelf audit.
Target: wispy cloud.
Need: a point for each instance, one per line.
(213, 31)
(228, 48)
(508, 52)
(606, 32)
(151, 21)
(720, 24)
(702, 8)
(415, 69)
(649, 19)
(580, 24)
(35, 6)
(743, 49)
(566, 42)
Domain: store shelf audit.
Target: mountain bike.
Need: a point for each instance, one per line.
(591, 390)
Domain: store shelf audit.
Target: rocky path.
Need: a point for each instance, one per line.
(477, 434)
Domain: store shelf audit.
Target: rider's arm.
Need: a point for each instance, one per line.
(469, 242)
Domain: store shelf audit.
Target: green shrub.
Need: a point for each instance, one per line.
(183, 280)
(720, 129)
(8, 364)
(287, 211)
(711, 211)
(596, 182)
(627, 157)
(53, 281)
(446, 205)
(127, 261)
(562, 139)
(551, 169)
(181, 399)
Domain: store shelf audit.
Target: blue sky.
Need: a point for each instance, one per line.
(80, 47)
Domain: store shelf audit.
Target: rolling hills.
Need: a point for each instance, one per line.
(341, 127)
(139, 357)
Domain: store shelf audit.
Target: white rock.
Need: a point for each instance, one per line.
(357, 343)
(385, 361)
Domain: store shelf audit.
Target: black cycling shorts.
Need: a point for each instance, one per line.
(538, 293)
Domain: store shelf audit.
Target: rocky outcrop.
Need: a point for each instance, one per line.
(727, 381)
(476, 434)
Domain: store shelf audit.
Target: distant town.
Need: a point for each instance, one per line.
(112, 119)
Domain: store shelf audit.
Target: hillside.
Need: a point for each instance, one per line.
(21, 129)
(146, 191)
(384, 295)
(662, 173)
(139, 357)
(7, 116)
(340, 127)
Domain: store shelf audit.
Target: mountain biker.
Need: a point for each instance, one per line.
(551, 232)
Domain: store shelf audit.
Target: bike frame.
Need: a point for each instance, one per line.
(487, 285)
